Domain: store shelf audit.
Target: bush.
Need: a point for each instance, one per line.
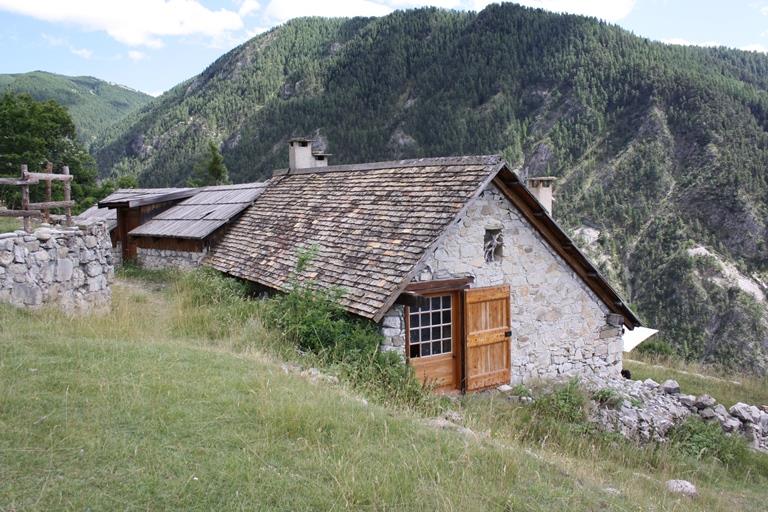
(656, 348)
(608, 397)
(565, 404)
(702, 440)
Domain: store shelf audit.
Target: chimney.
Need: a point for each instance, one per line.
(301, 156)
(542, 189)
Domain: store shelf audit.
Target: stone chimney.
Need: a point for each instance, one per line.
(301, 156)
(542, 189)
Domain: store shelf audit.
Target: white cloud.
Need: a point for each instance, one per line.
(609, 10)
(136, 23)
(247, 7)
(155, 94)
(685, 42)
(281, 10)
(136, 56)
(755, 47)
(84, 53)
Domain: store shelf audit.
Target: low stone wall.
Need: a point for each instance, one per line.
(70, 268)
(164, 258)
(117, 255)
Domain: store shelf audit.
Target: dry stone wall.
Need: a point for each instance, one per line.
(559, 326)
(66, 267)
(165, 258)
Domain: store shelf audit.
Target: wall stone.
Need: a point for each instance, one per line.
(165, 258)
(70, 268)
(559, 325)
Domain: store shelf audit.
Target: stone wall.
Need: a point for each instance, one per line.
(70, 268)
(559, 325)
(117, 254)
(166, 258)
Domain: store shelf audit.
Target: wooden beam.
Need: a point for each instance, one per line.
(51, 204)
(44, 176)
(25, 197)
(20, 213)
(440, 285)
(48, 192)
(67, 194)
(17, 181)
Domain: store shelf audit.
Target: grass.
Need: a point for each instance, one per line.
(8, 224)
(166, 403)
(697, 379)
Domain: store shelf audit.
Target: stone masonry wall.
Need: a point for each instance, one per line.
(165, 258)
(70, 268)
(559, 325)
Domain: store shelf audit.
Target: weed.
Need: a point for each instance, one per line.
(608, 397)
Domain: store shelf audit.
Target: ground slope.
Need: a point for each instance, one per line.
(93, 104)
(115, 413)
(659, 149)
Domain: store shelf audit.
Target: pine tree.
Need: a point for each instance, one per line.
(212, 170)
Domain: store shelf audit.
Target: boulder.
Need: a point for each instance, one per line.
(744, 412)
(683, 487)
(707, 414)
(721, 411)
(650, 383)
(687, 400)
(704, 401)
(671, 387)
(730, 424)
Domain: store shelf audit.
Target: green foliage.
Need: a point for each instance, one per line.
(92, 103)
(566, 403)
(608, 397)
(210, 171)
(702, 440)
(657, 348)
(35, 132)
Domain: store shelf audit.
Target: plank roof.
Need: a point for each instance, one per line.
(132, 197)
(203, 213)
(94, 213)
(371, 225)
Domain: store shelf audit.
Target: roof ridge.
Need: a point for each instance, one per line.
(484, 160)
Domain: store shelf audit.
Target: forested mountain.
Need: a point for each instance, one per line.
(93, 104)
(661, 151)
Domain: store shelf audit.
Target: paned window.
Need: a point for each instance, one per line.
(430, 328)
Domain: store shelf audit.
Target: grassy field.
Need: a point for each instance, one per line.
(158, 406)
(9, 224)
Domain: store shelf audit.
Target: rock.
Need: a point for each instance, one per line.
(687, 400)
(764, 422)
(704, 401)
(93, 269)
(454, 416)
(650, 383)
(730, 424)
(671, 387)
(43, 234)
(744, 412)
(707, 414)
(6, 257)
(683, 487)
(505, 388)
(721, 411)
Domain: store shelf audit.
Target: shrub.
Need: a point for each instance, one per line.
(702, 440)
(564, 404)
(608, 397)
(656, 348)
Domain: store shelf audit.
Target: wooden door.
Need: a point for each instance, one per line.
(433, 339)
(487, 328)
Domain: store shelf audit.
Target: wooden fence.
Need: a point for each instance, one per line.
(40, 210)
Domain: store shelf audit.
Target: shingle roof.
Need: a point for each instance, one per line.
(94, 213)
(132, 197)
(372, 224)
(203, 213)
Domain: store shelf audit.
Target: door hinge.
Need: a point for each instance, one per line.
(508, 334)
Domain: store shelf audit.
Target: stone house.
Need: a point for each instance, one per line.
(464, 269)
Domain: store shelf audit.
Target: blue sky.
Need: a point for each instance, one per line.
(151, 45)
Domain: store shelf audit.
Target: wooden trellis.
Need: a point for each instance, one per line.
(40, 210)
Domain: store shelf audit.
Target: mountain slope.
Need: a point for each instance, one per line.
(93, 104)
(659, 149)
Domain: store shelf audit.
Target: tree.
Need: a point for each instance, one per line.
(210, 171)
(35, 132)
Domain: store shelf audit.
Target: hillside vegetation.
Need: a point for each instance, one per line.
(661, 151)
(168, 402)
(93, 104)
